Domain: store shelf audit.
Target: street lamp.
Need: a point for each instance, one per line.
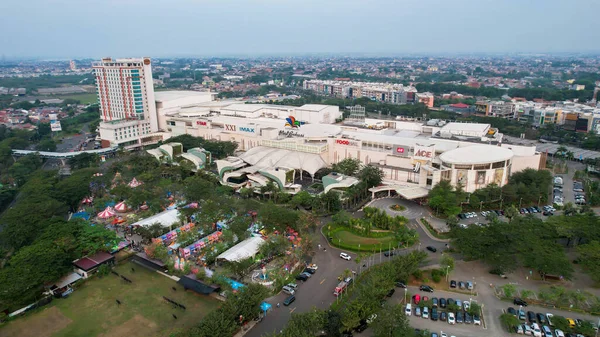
(405, 290)
(447, 267)
(419, 246)
(520, 200)
(539, 200)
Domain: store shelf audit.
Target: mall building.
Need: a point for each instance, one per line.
(281, 144)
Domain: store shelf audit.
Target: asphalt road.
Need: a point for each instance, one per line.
(317, 292)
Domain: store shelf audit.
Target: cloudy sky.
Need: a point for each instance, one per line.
(159, 28)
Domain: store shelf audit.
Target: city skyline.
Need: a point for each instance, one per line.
(187, 28)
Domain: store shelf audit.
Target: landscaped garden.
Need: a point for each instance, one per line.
(92, 309)
(375, 231)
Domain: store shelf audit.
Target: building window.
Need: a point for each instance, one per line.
(498, 164)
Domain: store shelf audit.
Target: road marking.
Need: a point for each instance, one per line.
(293, 310)
(323, 280)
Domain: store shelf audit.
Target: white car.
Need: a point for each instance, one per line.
(476, 320)
(425, 313)
(466, 305)
(371, 318)
(408, 310)
(443, 334)
(345, 256)
(559, 333)
(549, 316)
(537, 332)
(451, 319)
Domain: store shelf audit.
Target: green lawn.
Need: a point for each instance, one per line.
(348, 240)
(92, 309)
(84, 98)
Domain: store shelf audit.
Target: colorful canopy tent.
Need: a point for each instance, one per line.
(264, 306)
(108, 212)
(121, 207)
(191, 205)
(173, 234)
(205, 241)
(134, 183)
(87, 200)
(243, 250)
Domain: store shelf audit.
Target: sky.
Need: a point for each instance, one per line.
(180, 28)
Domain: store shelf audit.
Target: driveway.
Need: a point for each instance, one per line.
(317, 292)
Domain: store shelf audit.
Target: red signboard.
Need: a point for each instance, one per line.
(346, 142)
(201, 123)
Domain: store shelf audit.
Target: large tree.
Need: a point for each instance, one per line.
(392, 322)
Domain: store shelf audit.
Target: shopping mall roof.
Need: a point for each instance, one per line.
(164, 96)
(469, 127)
(476, 154)
(269, 158)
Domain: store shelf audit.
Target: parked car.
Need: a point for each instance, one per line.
(512, 311)
(302, 277)
(309, 275)
(434, 302)
(476, 320)
(431, 249)
(288, 290)
(468, 318)
(459, 317)
(541, 318)
(519, 329)
(345, 256)
(518, 301)
(400, 284)
(362, 326)
(527, 330)
(531, 316)
(443, 316)
(289, 300)
(469, 285)
(425, 313)
(571, 323)
(442, 302)
(389, 253)
(434, 314)
(426, 288)
(292, 285)
(450, 301)
(390, 292)
(549, 318)
(451, 318)
(417, 311)
(310, 271)
(547, 332)
(452, 284)
(559, 333)
(417, 298)
(521, 314)
(461, 285)
(466, 305)
(537, 332)
(459, 303)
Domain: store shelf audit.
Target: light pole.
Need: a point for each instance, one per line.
(405, 290)
(447, 268)
(520, 200)
(539, 200)
(419, 246)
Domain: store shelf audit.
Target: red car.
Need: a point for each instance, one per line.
(417, 298)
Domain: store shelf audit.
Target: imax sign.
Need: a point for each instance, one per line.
(246, 129)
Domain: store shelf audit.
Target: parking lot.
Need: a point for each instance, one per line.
(547, 317)
(458, 329)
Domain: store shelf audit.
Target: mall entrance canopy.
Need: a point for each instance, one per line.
(408, 192)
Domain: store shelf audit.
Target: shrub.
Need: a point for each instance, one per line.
(436, 277)
(418, 274)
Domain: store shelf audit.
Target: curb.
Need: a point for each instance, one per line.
(426, 230)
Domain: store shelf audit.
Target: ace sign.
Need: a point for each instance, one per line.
(424, 152)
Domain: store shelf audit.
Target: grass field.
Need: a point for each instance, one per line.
(92, 309)
(347, 240)
(83, 98)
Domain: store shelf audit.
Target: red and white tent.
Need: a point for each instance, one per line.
(121, 207)
(87, 200)
(134, 183)
(107, 213)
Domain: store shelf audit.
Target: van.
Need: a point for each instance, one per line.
(289, 300)
(288, 290)
(408, 310)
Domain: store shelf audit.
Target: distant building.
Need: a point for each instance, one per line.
(495, 109)
(425, 98)
(382, 92)
(577, 87)
(459, 108)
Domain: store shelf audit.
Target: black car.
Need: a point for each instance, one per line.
(512, 311)
(301, 277)
(462, 285)
(426, 288)
(443, 316)
(432, 249)
(388, 253)
(434, 302)
(542, 319)
(362, 326)
(400, 284)
(451, 301)
(289, 300)
(468, 318)
(459, 317)
(390, 293)
(548, 213)
(518, 301)
(531, 316)
(442, 302)
(434, 314)
(309, 270)
(452, 284)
